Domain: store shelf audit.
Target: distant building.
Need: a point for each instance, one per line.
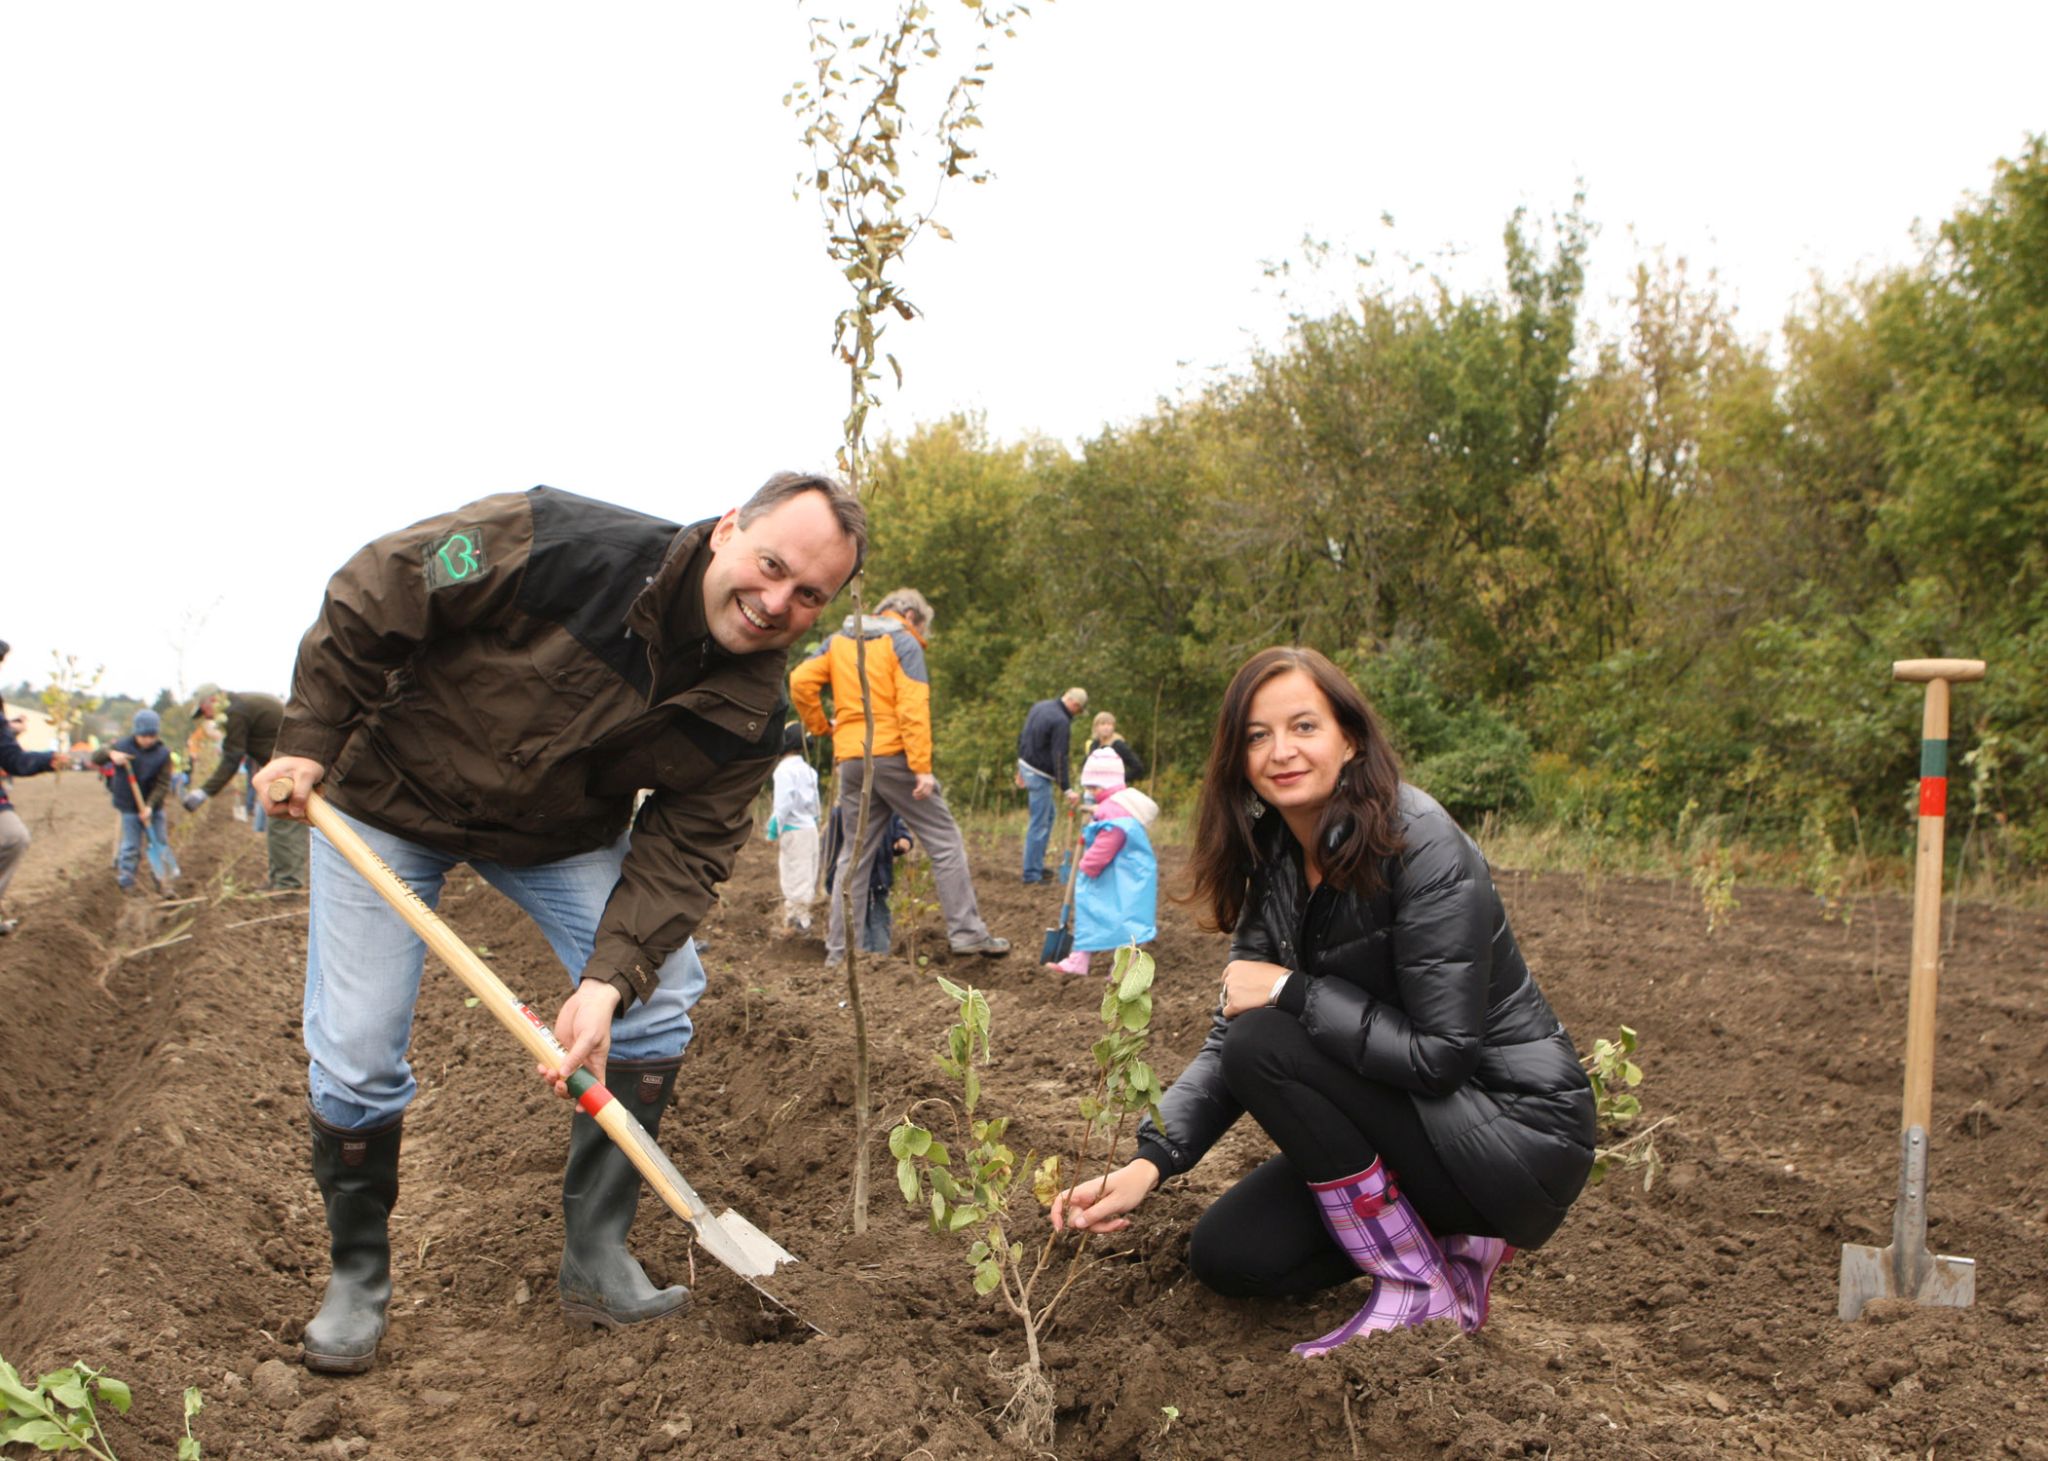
(36, 734)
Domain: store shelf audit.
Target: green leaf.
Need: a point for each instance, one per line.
(938, 1155)
(1628, 1040)
(188, 1449)
(45, 1435)
(978, 1252)
(899, 1142)
(986, 1276)
(67, 1390)
(972, 1092)
(943, 1184)
(1137, 979)
(1138, 1013)
(906, 1178)
(938, 1210)
(920, 1141)
(114, 1392)
(1112, 1007)
(951, 988)
(961, 1217)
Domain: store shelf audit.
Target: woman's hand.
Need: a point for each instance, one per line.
(1248, 985)
(1098, 1205)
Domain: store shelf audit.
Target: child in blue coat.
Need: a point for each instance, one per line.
(1116, 896)
(140, 761)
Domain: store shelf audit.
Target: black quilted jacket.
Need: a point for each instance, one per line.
(1420, 987)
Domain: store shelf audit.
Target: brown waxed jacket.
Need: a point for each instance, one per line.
(499, 681)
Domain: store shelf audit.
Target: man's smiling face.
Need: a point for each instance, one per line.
(767, 582)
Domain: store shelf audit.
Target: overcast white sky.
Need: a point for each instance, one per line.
(280, 278)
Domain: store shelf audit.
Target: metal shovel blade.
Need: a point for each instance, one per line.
(1905, 1269)
(730, 1238)
(1059, 942)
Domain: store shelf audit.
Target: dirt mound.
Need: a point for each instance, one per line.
(157, 1215)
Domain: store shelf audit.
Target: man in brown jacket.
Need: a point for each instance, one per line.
(495, 686)
(253, 721)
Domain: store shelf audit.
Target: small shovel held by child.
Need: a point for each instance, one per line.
(150, 846)
(1059, 942)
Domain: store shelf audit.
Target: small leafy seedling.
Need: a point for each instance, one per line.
(60, 1412)
(1614, 1077)
(973, 1195)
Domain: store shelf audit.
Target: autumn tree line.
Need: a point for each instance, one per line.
(1630, 580)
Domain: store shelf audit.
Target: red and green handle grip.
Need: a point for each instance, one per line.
(1937, 675)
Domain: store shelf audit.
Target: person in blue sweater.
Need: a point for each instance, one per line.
(140, 761)
(14, 839)
(1042, 772)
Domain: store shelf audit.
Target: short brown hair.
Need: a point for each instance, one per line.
(780, 488)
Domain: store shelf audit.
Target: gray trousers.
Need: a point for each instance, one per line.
(14, 842)
(933, 825)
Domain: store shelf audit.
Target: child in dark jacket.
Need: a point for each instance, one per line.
(140, 762)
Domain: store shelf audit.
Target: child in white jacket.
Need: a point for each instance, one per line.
(796, 822)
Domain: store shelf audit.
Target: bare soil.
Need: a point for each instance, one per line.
(157, 1216)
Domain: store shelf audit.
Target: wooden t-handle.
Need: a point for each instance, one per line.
(1923, 670)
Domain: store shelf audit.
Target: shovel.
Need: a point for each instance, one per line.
(151, 849)
(1059, 942)
(729, 1237)
(1905, 1269)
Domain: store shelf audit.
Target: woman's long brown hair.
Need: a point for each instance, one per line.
(1366, 798)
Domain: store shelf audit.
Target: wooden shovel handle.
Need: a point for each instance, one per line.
(1937, 675)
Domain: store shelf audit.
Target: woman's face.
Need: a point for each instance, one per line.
(1105, 728)
(1294, 748)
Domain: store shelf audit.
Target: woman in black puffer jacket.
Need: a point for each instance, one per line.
(1376, 1019)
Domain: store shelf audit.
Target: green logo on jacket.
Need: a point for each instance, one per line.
(458, 558)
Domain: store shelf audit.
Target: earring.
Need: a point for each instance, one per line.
(1254, 807)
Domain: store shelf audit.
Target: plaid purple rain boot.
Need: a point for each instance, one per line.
(1473, 1262)
(1385, 1237)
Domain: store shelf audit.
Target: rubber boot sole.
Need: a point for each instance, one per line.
(578, 1313)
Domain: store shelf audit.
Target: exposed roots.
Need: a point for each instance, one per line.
(1028, 1414)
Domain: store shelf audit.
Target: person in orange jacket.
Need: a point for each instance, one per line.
(899, 689)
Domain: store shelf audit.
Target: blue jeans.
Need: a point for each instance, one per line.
(1045, 798)
(130, 851)
(363, 967)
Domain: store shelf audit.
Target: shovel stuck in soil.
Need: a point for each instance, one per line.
(730, 1238)
(1059, 942)
(1905, 1269)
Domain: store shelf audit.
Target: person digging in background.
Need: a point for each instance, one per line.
(900, 690)
(14, 838)
(253, 722)
(1376, 1019)
(140, 761)
(1116, 897)
(495, 686)
(1042, 758)
(1103, 733)
(795, 816)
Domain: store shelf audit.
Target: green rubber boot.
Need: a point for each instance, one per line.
(358, 1176)
(600, 1282)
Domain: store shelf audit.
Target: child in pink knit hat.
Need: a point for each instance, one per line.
(1116, 896)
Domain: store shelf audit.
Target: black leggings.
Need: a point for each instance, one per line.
(1265, 1238)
